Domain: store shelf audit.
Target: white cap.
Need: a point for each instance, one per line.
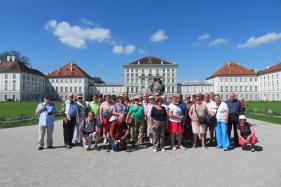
(242, 117)
(136, 97)
(151, 97)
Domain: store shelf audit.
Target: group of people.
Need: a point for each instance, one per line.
(148, 119)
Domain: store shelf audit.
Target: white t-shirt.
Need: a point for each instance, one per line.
(210, 105)
(221, 114)
(176, 111)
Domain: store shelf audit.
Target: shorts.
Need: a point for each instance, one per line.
(175, 127)
(198, 128)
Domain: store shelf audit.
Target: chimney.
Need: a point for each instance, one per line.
(13, 58)
(267, 67)
(161, 62)
(8, 58)
(228, 63)
(138, 62)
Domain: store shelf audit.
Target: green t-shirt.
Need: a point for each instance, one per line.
(94, 107)
(137, 112)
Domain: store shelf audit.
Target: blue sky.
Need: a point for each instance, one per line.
(101, 36)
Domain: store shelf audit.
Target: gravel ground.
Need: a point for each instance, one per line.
(23, 165)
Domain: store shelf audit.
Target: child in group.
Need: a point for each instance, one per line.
(246, 133)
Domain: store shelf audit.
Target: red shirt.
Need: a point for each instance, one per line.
(117, 130)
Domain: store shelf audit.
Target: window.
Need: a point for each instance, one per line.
(221, 79)
(66, 89)
(65, 80)
(236, 79)
(221, 88)
(75, 89)
(70, 88)
(14, 76)
(57, 80)
(6, 76)
(14, 87)
(226, 88)
(226, 79)
(57, 89)
(61, 89)
(80, 88)
(70, 80)
(230, 80)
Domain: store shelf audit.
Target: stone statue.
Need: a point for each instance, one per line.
(157, 86)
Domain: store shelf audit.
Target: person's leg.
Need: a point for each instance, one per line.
(235, 123)
(156, 136)
(72, 126)
(195, 130)
(179, 138)
(219, 134)
(135, 132)
(162, 136)
(253, 140)
(229, 128)
(202, 131)
(50, 130)
(65, 132)
(242, 143)
(105, 128)
(141, 132)
(225, 139)
(172, 139)
(41, 134)
(211, 130)
(77, 137)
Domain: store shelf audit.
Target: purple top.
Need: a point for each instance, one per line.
(245, 130)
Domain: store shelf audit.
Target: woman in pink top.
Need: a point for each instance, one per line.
(105, 114)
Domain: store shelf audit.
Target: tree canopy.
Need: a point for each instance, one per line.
(22, 59)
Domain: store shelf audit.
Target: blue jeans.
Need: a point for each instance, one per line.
(221, 135)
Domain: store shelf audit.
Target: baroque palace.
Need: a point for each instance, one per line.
(19, 82)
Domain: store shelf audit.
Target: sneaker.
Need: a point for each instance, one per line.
(50, 147)
(218, 147)
(105, 141)
(182, 147)
(253, 148)
(163, 149)
(204, 147)
(68, 146)
(193, 146)
(40, 148)
(96, 148)
(155, 150)
(226, 149)
(174, 148)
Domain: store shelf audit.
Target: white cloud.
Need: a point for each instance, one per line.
(119, 49)
(218, 41)
(87, 22)
(204, 36)
(159, 36)
(76, 36)
(255, 41)
(141, 51)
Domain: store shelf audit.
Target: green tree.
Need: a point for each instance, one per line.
(22, 59)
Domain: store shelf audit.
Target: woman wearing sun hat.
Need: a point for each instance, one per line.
(136, 111)
(246, 133)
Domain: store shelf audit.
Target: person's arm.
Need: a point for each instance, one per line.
(190, 111)
(226, 115)
(100, 112)
(126, 133)
(240, 108)
(251, 135)
(127, 117)
(40, 108)
(239, 135)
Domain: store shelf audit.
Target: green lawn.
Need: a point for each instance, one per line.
(15, 109)
(265, 110)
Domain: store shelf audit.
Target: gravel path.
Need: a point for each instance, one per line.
(21, 164)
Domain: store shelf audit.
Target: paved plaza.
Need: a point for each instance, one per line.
(23, 165)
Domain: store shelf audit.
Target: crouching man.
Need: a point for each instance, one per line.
(89, 129)
(118, 133)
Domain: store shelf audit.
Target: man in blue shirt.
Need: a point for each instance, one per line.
(46, 111)
(234, 111)
(70, 119)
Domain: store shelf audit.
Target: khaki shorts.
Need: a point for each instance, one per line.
(198, 128)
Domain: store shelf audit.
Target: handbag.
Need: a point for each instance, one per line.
(212, 120)
(201, 119)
